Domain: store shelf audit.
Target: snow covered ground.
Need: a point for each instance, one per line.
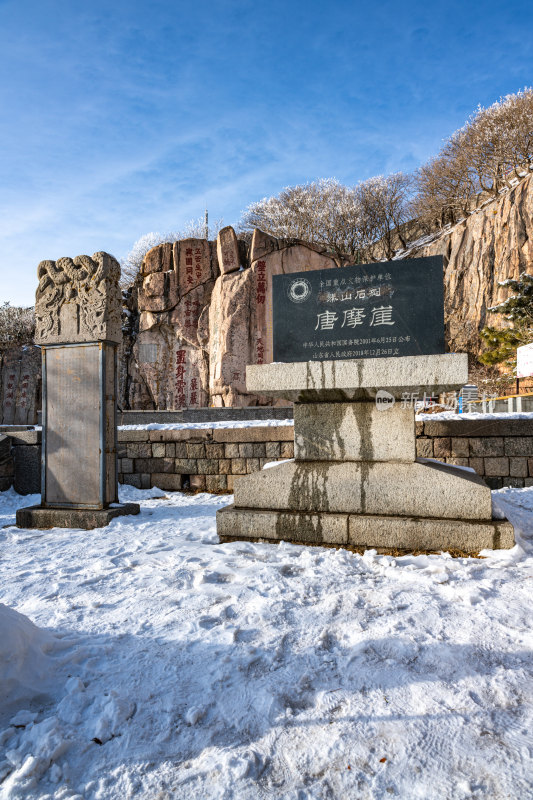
(166, 665)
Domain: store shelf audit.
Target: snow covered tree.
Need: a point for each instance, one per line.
(17, 325)
(384, 202)
(517, 309)
(488, 154)
(346, 220)
(444, 189)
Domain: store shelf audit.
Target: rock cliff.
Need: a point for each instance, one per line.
(492, 244)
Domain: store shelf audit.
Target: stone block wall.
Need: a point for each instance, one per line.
(204, 459)
(499, 450)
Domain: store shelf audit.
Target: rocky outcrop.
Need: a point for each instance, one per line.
(204, 312)
(492, 244)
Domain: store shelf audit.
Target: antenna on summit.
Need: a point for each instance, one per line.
(206, 225)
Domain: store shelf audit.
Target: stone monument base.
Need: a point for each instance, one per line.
(84, 518)
(355, 480)
(364, 532)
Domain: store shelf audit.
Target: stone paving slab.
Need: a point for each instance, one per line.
(85, 519)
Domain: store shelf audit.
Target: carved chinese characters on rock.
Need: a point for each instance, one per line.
(194, 264)
(188, 382)
(78, 300)
(260, 299)
(181, 382)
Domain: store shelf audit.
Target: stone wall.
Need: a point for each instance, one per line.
(203, 459)
(499, 450)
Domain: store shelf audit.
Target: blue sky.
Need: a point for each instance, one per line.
(120, 118)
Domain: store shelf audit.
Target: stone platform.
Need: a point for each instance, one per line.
(82, 518)
(384, 534)
(355, 480)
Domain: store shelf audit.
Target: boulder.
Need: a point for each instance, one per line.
(228, 250)
(158, 259)
(194, 264)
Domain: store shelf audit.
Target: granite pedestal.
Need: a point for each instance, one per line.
(355, 480)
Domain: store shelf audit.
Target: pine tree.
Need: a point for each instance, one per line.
(518, 309)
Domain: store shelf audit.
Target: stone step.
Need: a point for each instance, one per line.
(419, 489)
(405, 534)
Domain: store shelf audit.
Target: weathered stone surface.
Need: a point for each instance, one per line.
(518, 467)
(270, 433)
(20, 385)
(491, 245)
(517, 446)
(460, 448)
(424, 448)
(159, 292)
(492, 446)
(358, 379)
(353, 432)
(496, 467)
(377, 532)
(400, 533)
(167, 481)
(442, 448)
(172, 370)
(485, 428)
(194, 264)
(78, 300)
(240, 523)
(228, 250)
(216, 483)
(229, 339)
(262, 244)
(185, 317)
(27, 460)
(43, 518)
(421, 489)
(158, 259)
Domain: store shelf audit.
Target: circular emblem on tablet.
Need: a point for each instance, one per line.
(299, 290)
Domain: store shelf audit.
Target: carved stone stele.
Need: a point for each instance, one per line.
(78, 300)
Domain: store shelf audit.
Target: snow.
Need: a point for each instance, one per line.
(159, 663)
(474, 415)
(168, 426)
